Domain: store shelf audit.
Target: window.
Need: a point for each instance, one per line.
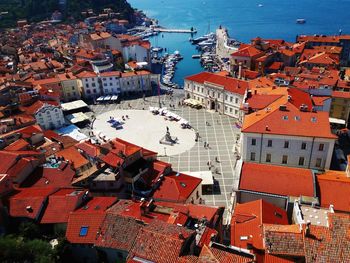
(321, 147)
(268, 157)
(284, 159)
(94, 90)
(225, 108)
(253, 141)
(87, 85)
(230, 110)
(88, 91)
(286, 144)
(303, 145)
(269, 143)
(231, 99)
(318, 162)
(83, 231)
(236, 101)
(252, 156)
(93, 85)
(236, 112)
(226, 97)
(301, 160)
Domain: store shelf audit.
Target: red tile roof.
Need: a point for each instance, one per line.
(261, 101)
(32, 109)
(211, 254)
(247, 220)
(51, 177)
(60, 204)
(89, 149)
(87, 74)
(341, 94)
(29, 202)
(334, 190)
(278, 180)
(247, 51)
(283, 240)
(73, 156)
(118, 232)
(176, 187)
(18, 145)
(275, 121)
(329, 244)
(298, 97)
(228, 83)
(89, 218)
(160, 242)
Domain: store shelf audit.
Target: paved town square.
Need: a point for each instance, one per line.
(220, 134)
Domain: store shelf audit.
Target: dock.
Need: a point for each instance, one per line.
(168, 30)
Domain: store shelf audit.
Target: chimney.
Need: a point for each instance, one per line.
(307, 229)
(240, 70)
(29, 209)
(267, 128)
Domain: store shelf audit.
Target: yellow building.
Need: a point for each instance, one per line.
(340, 107)
(71, 86)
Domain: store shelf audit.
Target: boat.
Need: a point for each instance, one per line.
(301, 21)
(157, 49)
(196, 56)
(260, 5)
(199, 39)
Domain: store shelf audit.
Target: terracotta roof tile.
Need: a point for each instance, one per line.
(84, 224)
(29, 202)
(160, 242)
(247, 220)
(228, 83)
(285, 241)
(278, 180)
(73, 156)
(60, 204)
(176, 187)
(334, 190)
(296, 122)
(118, 232)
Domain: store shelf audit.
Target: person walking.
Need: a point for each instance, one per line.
(208, 146)
(205, 144)
(216, 159)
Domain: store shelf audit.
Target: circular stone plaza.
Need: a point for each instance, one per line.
(146, 130)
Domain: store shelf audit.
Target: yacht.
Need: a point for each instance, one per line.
(301, 21)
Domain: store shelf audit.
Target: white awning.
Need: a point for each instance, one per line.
(77, 117)
(77, 104)
(206, 176)
(337, 121)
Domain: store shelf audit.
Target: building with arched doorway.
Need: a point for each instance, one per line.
(217, 92)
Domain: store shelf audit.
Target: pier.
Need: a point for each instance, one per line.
(168, 30)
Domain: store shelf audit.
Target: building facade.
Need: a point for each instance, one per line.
(50, 117)
(294, 151)
(216, 92)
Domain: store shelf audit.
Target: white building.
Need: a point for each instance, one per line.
(137, 81)
(110, 82)
(217, 92)
(90, 84)
(283, 134)
(115, 82)
(48, 114)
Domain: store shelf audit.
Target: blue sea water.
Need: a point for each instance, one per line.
(244, 19)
